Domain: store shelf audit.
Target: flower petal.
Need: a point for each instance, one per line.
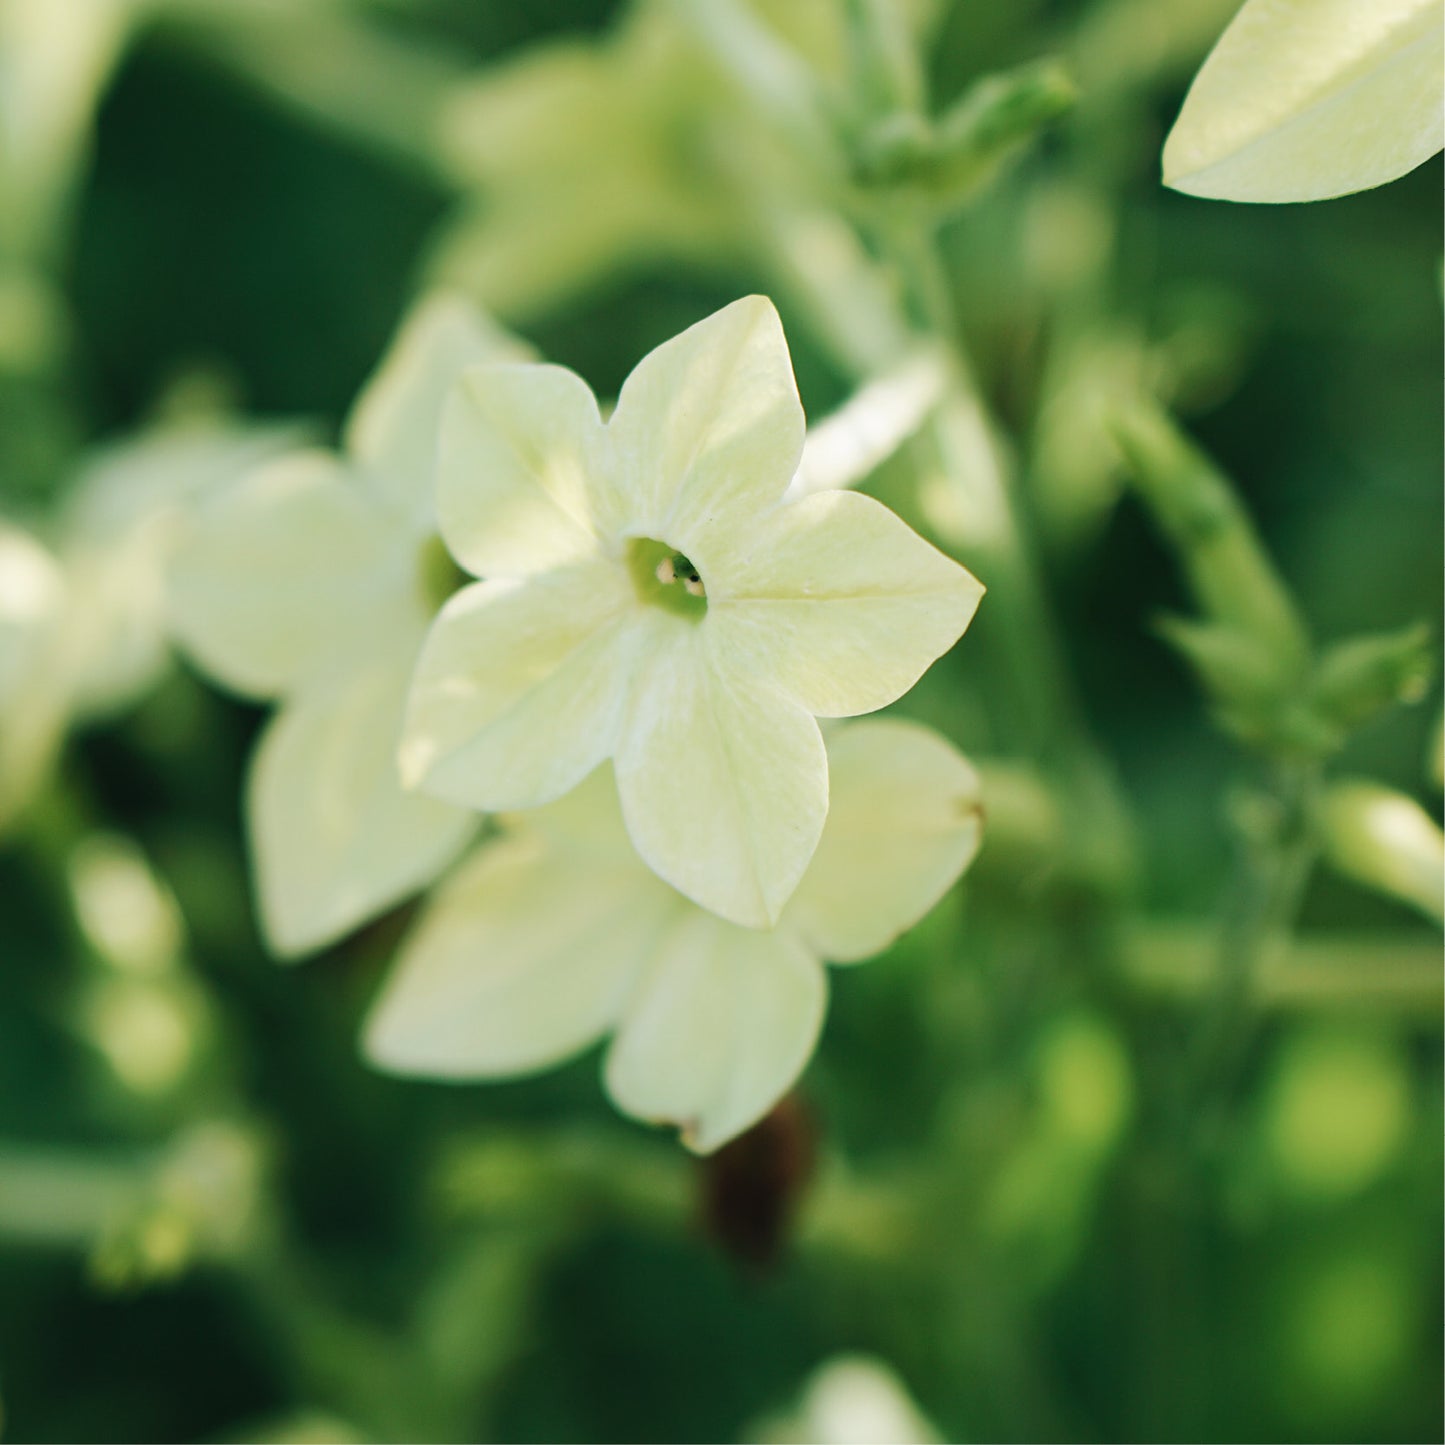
(334, 838)
(126, 484)
(720, 1026)
(289, 572)
(121, 523)
(393, 429)
(586, 824)
(35, 686)
(708, 428)
(904, 821)
(724, 781)
(55, 65)
(520, 688)
(840, 604)
(1302, 100)
(518, 470)
(521, 959)
(32, 602)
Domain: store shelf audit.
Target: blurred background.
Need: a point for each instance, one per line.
(992, 1196)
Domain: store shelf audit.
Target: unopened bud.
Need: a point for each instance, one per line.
(1230, 574)
(1360, 676)
(950, 160)
(1386, 841)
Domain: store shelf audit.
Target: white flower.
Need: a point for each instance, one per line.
(32, 701)
(82, 628)
(556, 934)
(121, 523)
(1302, 100)
(851, 1400)
(653, 595)
(579, 150)
(312, 581)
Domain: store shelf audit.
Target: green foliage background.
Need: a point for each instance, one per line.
(515, 1262)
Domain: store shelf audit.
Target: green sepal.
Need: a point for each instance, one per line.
(1362, 676)
(947, 161)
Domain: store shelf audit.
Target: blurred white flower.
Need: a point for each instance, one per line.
(82, 627)
(576, 149)
(312, 581)
(1302, 100)
(124, 909)
(123, 520)
(556, 934)
(706, 135)
(851, 1400)
(56, 57)
(655, 596)
(32, 698)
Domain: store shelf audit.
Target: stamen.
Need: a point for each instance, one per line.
(665, 578)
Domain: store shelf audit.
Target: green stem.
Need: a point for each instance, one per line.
(1048, 720)
(1277, 854)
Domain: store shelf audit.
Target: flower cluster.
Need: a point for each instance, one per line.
(490, 594)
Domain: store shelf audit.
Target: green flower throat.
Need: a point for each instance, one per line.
(665, 578)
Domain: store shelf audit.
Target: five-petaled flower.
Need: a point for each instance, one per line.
(555, 934)
(655, 595)
(313, 581)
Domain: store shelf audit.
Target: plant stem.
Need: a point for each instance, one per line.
(1049, 723)
(1278, 849)
(1177, 962)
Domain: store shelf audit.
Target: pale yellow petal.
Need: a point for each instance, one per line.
(586, 823)
(121, 522)
(708, 429)
(904, 820)
(34, 684)
(1302, 100)
(289, 573)
(392, 431)
(520, 688)
(335, 840)
(32, 601)
(723, 780)
(523, 958)
(519, 470)
(719, 1028)
(125, 484)
(534, 113)
(839, 603)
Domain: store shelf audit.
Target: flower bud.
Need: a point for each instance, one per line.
(1232, 578)
(1386, 841)
(949, 161)
(1360, 676)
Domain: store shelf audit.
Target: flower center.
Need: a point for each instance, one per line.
(665, 578)
(437, 574)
